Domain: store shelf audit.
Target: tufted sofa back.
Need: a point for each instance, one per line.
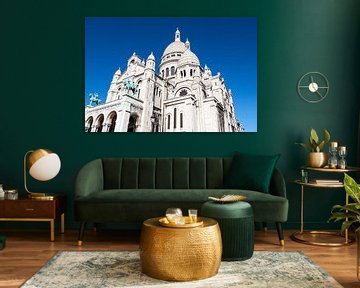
(164, 173)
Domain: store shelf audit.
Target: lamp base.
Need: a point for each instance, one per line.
(41, 196)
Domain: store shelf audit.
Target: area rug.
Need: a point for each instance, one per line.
(80, 269)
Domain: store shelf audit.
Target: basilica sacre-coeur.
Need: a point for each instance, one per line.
(181, 97)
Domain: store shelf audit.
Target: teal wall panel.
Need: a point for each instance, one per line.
(42, 88)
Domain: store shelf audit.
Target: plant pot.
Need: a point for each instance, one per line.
(317, 159)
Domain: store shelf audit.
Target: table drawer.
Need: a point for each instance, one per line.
(28, 209)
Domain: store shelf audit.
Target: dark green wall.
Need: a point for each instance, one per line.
(42, 88)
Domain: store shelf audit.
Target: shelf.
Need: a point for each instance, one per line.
(313, 184)
(317, 237)
(348, 169)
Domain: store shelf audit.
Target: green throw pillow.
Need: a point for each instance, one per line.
(251, 172)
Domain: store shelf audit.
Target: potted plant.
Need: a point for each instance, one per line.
(317, 157)
(350, 213)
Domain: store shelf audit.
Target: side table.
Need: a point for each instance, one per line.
(297, 235)
(180, 254)
(27, 209)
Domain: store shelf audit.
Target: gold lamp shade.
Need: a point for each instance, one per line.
(43, 165)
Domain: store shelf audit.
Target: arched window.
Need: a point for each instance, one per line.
(167, 72)
(174, 118)
(184, 73)
(138, 84)
(181, 74)
(132, 123)
(162, 73)
(99, 123)
(112, 122)
(154, 123)
(168, 124)
(191, 72)
(181, 120)
(172, 70)
(89, 123)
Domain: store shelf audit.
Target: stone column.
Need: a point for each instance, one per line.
(123, 116)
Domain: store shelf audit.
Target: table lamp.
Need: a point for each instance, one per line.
(43, 165)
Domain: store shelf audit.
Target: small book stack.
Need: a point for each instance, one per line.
(327, 181)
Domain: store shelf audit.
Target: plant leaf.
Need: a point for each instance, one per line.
(346, 225)
(352, 188)
(321, 146)
(337, 216)
(350, 207)
(306, 146)
(314, 135)
(312, 144)
(326, 136)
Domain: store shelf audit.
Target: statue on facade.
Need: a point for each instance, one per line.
(94, 98)
(130, 85)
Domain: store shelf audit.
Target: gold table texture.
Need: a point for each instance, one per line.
(185, 254)
(297, 235)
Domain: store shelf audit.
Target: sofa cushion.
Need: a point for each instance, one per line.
(251, 172)
(266, 207)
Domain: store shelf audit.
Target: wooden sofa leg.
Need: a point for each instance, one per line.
(81, 233)
(280, 233)
(265, 227)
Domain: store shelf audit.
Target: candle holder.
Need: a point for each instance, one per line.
(333, 162)
(342, 153)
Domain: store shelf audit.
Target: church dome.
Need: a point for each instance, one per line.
(188, 58)
(175, 47)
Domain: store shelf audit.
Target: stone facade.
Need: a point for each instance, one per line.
(181, 97)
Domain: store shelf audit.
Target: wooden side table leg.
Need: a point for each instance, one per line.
(52, 230)
(63, 223)
(302, 209)
(346, 230)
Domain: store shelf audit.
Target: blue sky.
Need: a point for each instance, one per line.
(225, 45)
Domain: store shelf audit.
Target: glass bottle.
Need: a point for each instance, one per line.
(333, 162)
(342, 154)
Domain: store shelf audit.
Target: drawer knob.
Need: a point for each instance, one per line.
(29, 209)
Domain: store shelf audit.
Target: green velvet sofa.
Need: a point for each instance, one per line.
(130, 190)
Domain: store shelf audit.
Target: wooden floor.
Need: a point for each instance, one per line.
(28, 250)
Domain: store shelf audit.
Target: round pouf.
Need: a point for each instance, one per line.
(236, 221)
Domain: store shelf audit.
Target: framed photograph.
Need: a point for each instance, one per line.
(179, 74)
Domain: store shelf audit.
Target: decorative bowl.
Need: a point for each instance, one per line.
(228, 198)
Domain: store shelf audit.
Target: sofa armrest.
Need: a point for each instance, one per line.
(277, 184)
(89, 179)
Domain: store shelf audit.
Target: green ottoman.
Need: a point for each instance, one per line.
(236, 221)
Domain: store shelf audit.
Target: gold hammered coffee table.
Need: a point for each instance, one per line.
(180, 254)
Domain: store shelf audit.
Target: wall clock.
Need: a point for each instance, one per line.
(313, 87)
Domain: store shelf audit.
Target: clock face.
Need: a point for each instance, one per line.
(313, 87)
